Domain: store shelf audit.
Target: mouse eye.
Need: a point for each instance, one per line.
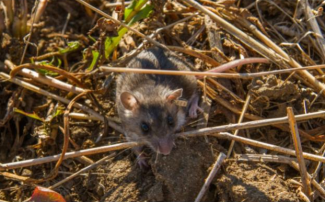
(170, 120)
(144, 127)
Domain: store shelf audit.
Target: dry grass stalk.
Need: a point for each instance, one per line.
(211, 175)
(15, 177)
(207, 73)
(263, 158)
(64, 73)
(297, 144)
(81, 116)
(319, 166)
(224, 135)
(94, 165)
(85, 152)
(46, 79)
(195, 54)
(257, 123)
(242, 115)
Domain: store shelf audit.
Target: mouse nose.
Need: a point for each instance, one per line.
(165, 146)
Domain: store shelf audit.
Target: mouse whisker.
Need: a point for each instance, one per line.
(156, 160)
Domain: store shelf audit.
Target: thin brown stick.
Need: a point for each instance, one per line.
(242, 115)
(263, 158)
(255, 124)
(296, 140)
(272, 147)
(64, 73)
(85, 152)
(46, 79)
(15, 177)
(196, 54)
(94, 165)
(207, 73)
(211, 175)
(82, 116)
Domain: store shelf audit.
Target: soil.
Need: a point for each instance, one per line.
(178, 176)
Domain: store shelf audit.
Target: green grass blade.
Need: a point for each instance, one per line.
(30, 115)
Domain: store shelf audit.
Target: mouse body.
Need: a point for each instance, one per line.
(147, 103)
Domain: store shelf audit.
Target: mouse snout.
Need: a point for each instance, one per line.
(165, 146)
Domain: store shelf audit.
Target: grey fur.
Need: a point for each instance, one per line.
(151, 92)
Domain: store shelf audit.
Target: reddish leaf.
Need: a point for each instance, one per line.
(41, 194)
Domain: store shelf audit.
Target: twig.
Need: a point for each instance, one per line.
(81, 116)
(242, 115)
(196, 54)
(254, 124)
(207, 73)
(46, 79)
(85, 152)
(319, 166)
(296, 140)
(211, 175)
(272, 147)
(94, 165)
(263, 158)
(64, 73)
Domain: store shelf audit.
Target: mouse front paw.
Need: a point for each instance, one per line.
(142, 161)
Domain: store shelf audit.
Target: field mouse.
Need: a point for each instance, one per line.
(147, 103)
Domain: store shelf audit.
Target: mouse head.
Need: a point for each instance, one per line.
(153, 120)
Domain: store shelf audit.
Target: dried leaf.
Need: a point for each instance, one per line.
(41, 194)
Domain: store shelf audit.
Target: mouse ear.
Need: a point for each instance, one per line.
(129, 101)
(174, 95)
